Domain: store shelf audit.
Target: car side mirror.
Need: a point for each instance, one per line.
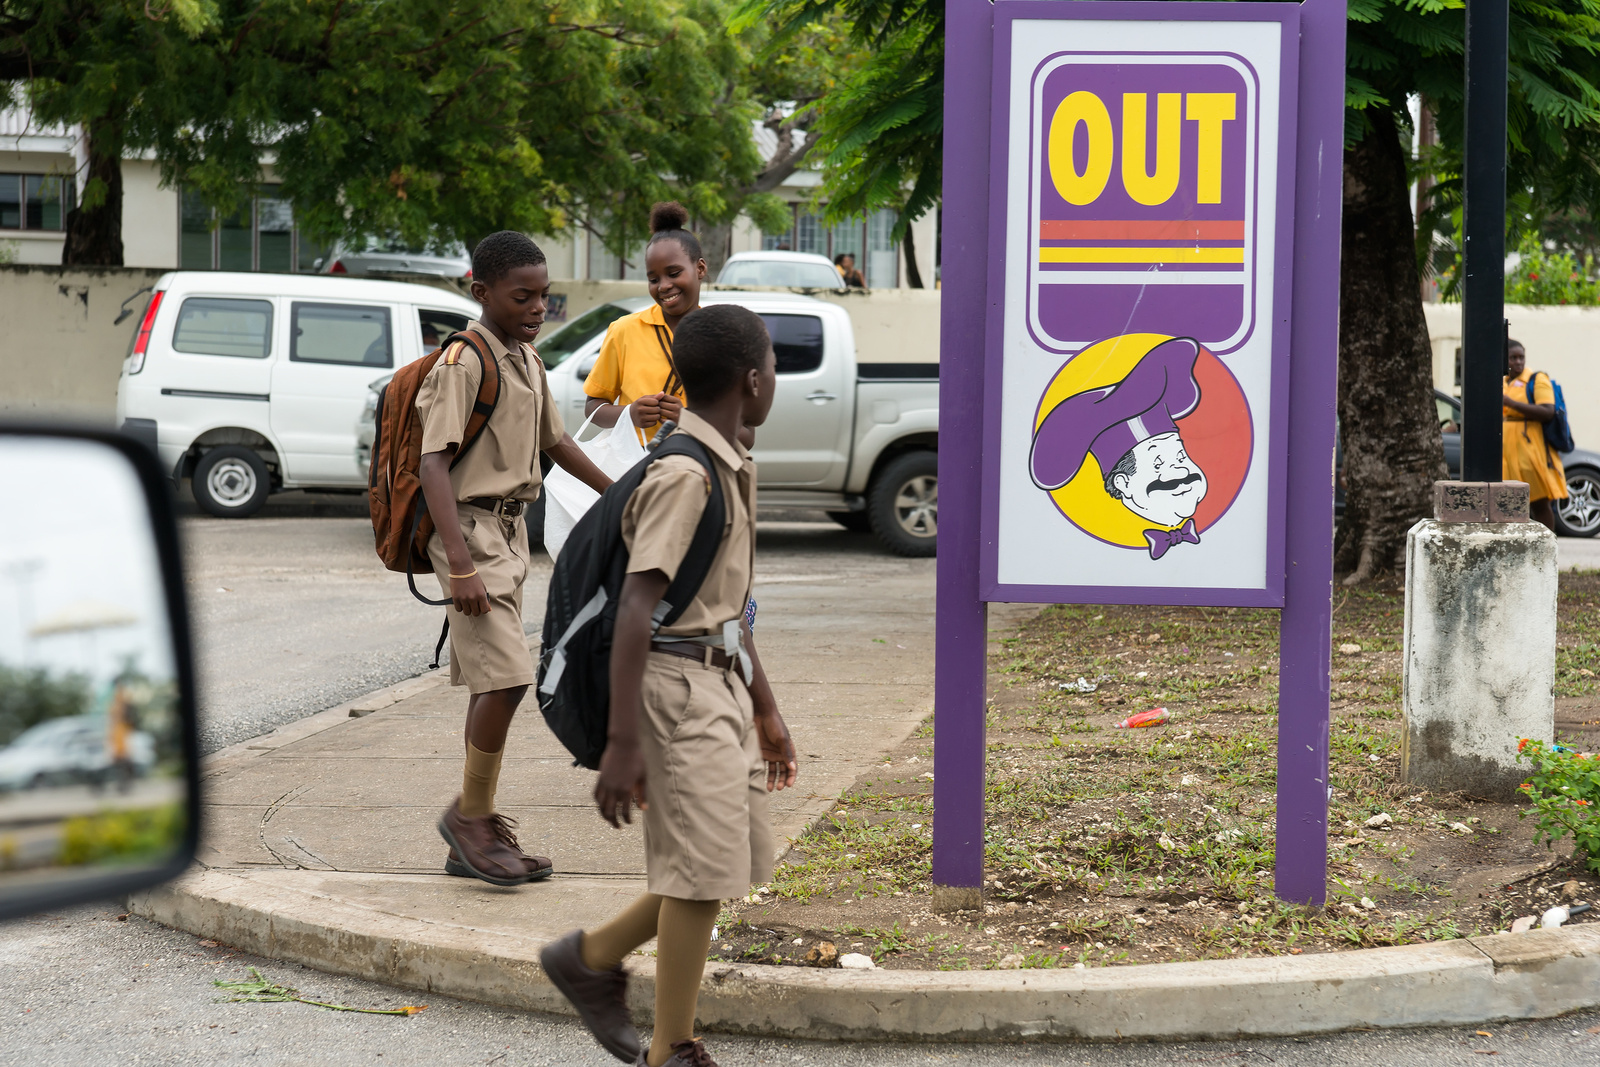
(99, 759)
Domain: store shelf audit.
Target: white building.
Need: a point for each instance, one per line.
(42, 170)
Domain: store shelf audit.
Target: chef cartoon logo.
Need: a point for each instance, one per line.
(1142, 441)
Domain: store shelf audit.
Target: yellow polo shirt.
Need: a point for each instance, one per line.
(634, 362)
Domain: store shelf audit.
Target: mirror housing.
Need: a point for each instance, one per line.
(99, 763)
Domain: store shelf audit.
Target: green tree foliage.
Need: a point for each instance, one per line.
(880, 132)
(32, 695)
(430, 119)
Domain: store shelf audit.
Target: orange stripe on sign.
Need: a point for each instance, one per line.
(1141, 230)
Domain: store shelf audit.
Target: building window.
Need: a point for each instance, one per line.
(867, 239)
(261, 236)
(34, 201)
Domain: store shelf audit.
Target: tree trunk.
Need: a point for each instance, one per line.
(913, 272)
(1387, 421)
(94, 225)
(717, 243)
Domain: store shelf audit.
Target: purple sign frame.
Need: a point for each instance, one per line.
(1304, 450)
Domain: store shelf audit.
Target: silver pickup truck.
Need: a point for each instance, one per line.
(857, 439)
(851, 437)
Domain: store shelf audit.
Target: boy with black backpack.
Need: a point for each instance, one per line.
(694, 735)
(479, 470)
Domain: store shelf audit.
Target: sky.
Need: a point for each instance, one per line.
(74, 529)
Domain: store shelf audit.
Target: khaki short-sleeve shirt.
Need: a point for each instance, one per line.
(505, 460)
(661, 516)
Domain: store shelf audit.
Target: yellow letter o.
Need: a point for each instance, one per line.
(1087, 108)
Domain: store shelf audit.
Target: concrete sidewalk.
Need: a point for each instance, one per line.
(340, 808)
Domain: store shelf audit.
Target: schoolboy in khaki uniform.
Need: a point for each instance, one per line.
(695, 736)
(480, 545)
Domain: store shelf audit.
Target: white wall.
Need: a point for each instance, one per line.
(1562, 341)
(149, 217)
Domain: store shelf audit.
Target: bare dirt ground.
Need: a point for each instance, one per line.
(1111, 846)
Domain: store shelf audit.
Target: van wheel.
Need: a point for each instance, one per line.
(903, 504)
(231, 482)
(855, 521)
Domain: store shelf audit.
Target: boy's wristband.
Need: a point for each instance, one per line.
(470, 574)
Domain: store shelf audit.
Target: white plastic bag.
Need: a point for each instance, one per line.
(614, 450)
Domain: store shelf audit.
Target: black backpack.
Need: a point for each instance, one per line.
(581, 611)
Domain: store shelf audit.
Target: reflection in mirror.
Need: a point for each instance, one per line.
(92, 775)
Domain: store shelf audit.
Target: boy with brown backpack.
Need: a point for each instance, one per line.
(454, 466)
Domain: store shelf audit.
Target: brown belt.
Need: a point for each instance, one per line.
(501, 506)
(711, 657)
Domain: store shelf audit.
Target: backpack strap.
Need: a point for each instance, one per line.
(674, 384)
(488, 391)
(697, 560)
(482, 407)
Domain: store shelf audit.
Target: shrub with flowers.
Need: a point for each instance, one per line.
(1542, 277)
(1565, 792)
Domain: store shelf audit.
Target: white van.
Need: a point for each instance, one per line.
(251, 383)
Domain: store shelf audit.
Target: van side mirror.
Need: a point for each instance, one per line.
(99, 759)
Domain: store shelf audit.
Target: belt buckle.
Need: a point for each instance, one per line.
(511, 508)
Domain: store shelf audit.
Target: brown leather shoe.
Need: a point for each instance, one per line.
(539, 867)
(601, 997)
(478, 843)
(684, 1054)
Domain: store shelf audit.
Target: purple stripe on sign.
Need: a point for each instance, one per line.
(1109, 310)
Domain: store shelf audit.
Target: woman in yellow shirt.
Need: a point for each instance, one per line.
(1524, 455)
(635, 363)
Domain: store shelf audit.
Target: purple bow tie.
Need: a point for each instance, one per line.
(1161, 540)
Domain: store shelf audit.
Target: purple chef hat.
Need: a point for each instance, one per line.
(1109, 421)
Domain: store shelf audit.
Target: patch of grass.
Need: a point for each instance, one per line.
(1109, 846)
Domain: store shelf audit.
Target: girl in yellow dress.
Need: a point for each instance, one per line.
(1524, 455)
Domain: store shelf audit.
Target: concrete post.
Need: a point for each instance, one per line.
(1480, 640)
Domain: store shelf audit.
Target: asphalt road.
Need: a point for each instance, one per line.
(81, 987)
(293, 615)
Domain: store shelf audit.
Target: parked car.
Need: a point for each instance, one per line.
(392, 256)
(856, 439)
(1576, 516)
(795, 270)
(251, 383)
(68, 751)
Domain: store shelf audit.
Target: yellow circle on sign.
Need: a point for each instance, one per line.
(1084, 500)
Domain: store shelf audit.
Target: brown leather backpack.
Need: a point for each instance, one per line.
(400, 519)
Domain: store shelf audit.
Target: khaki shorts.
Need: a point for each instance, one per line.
(489, 652)
(706, 834)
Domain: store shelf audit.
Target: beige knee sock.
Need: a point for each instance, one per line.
(683, 938)
(478, 780)
(606, 947)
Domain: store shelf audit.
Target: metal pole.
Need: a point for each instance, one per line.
(1484, 240)
(1301, 867)
(960, 628)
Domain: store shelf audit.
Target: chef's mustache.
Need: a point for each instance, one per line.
(1159, 486)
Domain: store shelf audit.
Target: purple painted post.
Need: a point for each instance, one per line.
(961, 629)
(1303, 642)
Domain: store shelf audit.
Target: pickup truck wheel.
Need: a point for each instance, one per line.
(903, 504)
(854, 521)
(231, 482)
